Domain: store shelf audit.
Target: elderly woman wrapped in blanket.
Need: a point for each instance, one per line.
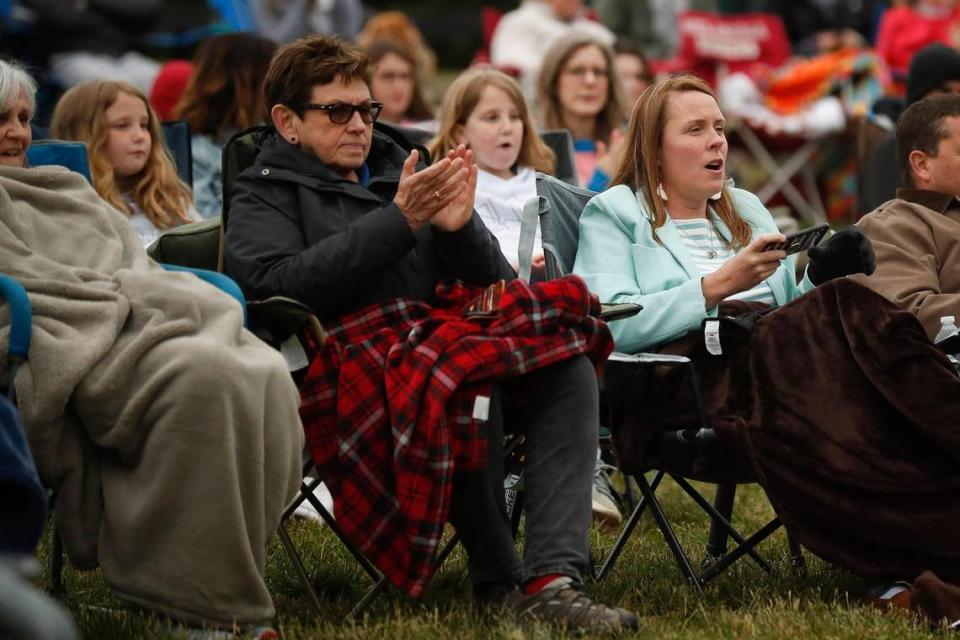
(169, 432)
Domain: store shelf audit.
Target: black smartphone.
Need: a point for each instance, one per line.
(801, 240)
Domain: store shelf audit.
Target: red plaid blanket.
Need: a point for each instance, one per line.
(388, 406)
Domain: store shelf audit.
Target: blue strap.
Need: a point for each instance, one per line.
(219, 280)
(20, 315)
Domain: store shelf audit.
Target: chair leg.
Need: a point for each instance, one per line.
(745, 547)
(57, 588)
(661, 519)
(299, 567)
(306, 491)
(723, 503)
(628, 527)
(719, 519)
(797, 562)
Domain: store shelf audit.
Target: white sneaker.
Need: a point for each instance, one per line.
(306, 510)
(605, 510)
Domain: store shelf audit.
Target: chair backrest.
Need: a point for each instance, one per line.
(238, 154)
(560, 142)
(176, 134)
(69, 154)
(560, 206)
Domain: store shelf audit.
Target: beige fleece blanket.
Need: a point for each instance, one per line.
(86, 274)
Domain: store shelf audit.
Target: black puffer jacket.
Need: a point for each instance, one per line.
(299, 230)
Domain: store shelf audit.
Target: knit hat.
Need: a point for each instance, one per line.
(168, 87)
(930, 67)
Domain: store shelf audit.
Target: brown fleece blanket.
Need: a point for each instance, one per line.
(848, 417)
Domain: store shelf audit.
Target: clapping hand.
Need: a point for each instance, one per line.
(457, 210)
(847, 251)
(437, 190)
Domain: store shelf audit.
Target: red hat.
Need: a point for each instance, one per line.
(168, 86)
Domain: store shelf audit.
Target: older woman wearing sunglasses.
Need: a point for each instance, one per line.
(346, 219)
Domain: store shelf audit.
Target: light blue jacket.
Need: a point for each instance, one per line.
(621, 262)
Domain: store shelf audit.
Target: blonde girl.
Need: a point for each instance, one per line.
(129, 162)
(485, 110)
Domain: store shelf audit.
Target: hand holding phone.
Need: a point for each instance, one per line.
(801, 240)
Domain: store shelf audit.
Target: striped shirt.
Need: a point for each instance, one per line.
(709, 251)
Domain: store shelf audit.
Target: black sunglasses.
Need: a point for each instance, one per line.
(341, 112)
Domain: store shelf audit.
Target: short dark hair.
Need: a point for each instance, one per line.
(921, 127)
(307, 62)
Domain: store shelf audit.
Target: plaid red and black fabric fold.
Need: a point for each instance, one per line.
(389, 405)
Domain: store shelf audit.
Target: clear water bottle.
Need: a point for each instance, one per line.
(948, 338)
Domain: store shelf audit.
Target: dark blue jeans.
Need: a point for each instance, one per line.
(556, 411)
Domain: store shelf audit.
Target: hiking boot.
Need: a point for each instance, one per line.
(563, 605)
(603, 504)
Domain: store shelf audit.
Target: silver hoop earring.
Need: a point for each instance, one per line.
(661, 191)
(717, 195)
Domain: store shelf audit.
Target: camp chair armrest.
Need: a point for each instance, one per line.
(195, 244)
(611, 312)
(20, 316)
(636, 361)
(282, 317)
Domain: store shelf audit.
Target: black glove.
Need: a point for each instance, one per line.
(847, 251)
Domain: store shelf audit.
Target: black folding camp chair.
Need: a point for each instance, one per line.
(693, 453)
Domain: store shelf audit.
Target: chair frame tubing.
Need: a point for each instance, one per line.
(380, 582)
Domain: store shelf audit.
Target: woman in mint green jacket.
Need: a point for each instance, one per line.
(672, 236)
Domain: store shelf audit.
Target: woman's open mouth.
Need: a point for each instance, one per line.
(716, 165)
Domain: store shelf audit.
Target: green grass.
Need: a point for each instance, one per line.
(821, 602)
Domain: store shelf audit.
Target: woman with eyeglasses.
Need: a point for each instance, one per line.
(397, 84)
(576, 91)
(331, 195)
(343, 217)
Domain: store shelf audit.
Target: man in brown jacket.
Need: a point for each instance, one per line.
(916, 237)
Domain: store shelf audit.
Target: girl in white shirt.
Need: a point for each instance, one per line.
(485, 110)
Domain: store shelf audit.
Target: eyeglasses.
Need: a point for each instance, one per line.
(342, 112)
(581, 72)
